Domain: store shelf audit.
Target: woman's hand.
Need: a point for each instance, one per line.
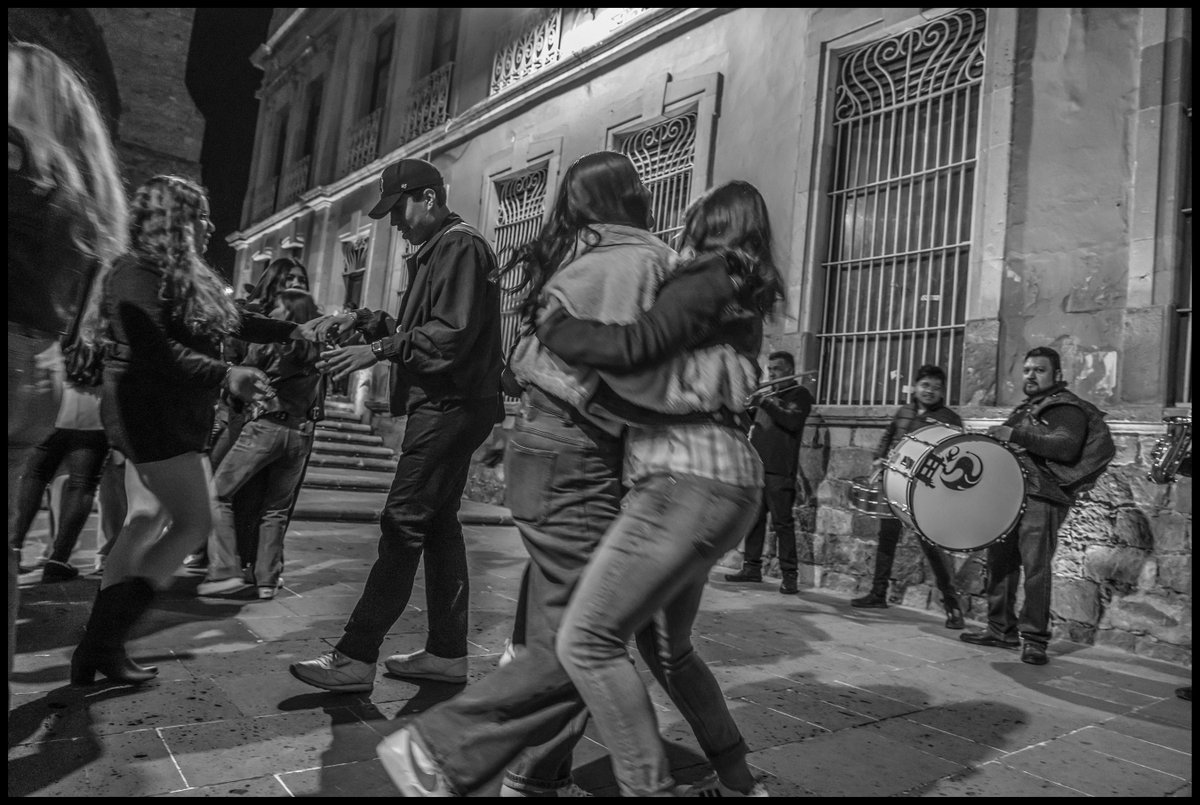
(323, 328)
(248, 383)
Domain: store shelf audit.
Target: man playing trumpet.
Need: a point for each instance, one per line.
(782, 409)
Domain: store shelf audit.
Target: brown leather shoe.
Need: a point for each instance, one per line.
(1034, 654)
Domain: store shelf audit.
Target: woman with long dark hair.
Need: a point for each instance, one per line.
(274, 443)
(163, 316)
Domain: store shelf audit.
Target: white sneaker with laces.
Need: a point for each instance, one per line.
(423, 665)
(336, 672)
(222, 586)
(712, 786)
(411, 769)
(570, 790)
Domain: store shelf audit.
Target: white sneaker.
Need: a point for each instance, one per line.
(713, 787)
(423, 665)
(222, 586)
(508, 655)
(335, 671)
(411, 769)
(569, 790)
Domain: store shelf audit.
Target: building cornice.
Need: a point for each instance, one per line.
(642, 32)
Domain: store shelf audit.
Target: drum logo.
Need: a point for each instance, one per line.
(961, 469)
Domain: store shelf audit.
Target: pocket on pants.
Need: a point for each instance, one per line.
(529, 473)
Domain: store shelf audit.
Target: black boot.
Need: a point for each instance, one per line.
(102, 649)
(747, 573)
(876, 599)
(954, 614)
(788, 587)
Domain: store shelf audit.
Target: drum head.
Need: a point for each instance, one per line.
(974, 498)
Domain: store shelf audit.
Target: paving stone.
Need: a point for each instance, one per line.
(823, 765)
(1094, 773)
(365, 778)
(995, 780)
(239, 749)
(1142, 753)
(269, 786)
(131, 764)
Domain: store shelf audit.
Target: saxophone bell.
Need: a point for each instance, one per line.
(1171, 450)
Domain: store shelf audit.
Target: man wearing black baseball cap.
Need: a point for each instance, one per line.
(443, 353)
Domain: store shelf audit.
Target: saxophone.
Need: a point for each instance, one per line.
(1171, 450)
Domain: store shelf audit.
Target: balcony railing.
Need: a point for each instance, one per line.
(362, 142)
(531, 44)
(295, 181)
(428, 103)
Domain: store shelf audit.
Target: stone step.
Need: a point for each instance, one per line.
(352, 480)
(342, 416)
(348, 437)
(324, 447)
(352, 462)
(316, 505)
(344, 426)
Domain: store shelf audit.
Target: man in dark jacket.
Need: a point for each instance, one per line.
(775, 434)
(927, 407)
(1051, 428)
(444, 355)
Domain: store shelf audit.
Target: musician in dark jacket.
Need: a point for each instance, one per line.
(443, 352)
(779, 421)
(1052, 426)
(927, 407)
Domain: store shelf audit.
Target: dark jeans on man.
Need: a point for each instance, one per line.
(419, 517)
(82, 454)
(1029, 548)
(890, 531)
(779, 496)
(564, 488)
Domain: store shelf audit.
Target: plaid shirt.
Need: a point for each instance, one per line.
(710, 451)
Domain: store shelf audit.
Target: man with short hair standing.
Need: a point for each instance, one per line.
(775, 434)
(1052, 429)
(445, 360)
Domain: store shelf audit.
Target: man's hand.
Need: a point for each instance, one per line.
(341, 361)
(249, 384)
(322, 328)
(1001, 432)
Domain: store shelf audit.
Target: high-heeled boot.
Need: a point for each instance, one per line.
(102, 649)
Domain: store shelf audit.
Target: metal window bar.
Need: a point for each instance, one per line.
(520, 208)
(1183, 309)
(530, 44)
(905, 134)
(665, 156)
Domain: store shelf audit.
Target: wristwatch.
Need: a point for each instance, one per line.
(377, 350)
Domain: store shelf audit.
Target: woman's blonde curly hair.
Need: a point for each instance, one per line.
(168, 221)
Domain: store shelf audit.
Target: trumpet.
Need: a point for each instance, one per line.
(764, 390)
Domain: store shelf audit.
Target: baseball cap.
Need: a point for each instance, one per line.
(403, 177)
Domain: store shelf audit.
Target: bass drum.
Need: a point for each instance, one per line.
(959, 491)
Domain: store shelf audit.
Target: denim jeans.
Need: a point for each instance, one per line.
(779, 496)
(82, 454)
(278, 453)
(420, 516)
(890, 531)
(1029, 548)
(563, 490)
(655, 557)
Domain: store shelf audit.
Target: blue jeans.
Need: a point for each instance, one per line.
(655, 558)
(563, 490)
(419, 517)
(1031, 548)
(279, 453)
(779, 496)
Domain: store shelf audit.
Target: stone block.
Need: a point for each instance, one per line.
(1179, 496)
(1075, 600)
(1175, 574)
(1172, 532)
(920, 596)
(851, 462)
(1115, 566)
(1089, 523)
(1074, 631)
(1167, 652)
(1144, 613)
(1129, 450)
(834, 521)
(1131, 527)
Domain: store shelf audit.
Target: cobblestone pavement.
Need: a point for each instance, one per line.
(833, 701)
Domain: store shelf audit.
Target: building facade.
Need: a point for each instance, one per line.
(950, 186)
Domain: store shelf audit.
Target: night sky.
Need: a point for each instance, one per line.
(222, 82)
